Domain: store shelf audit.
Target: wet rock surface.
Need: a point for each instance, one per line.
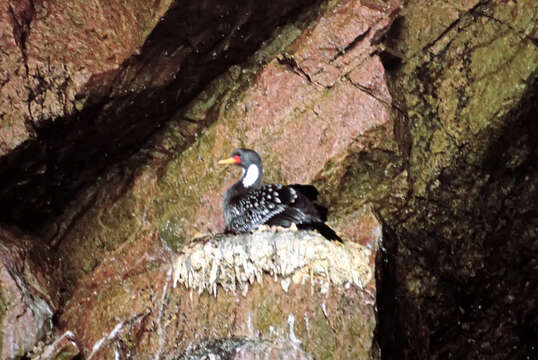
(79, 97)
(28, 294)
(420, 116)
(457, 280)
(236, 348)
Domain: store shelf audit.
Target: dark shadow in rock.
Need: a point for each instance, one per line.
(460, 282)
(192, 44)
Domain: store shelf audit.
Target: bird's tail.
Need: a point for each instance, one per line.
(323, 229)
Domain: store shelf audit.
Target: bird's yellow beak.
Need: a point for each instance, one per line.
(227, 161)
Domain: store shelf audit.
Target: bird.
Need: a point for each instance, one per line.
(249, 203)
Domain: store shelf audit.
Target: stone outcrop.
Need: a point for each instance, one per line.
(85, 83)
(296, 296)
(28, 294)
(459, 251)
(169, 202)
(64, 347)
(414, 120)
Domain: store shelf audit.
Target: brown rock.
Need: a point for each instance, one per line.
(63, 348)
(299, 128)
(13, 26)
(119, 283)
(115, 299)
(130, 309)
(80, 82)
(28, 296)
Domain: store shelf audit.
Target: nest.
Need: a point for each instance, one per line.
(235, 262)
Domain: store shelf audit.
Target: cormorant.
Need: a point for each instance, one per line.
(249, 204)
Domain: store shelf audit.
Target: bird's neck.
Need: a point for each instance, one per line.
(252, 177)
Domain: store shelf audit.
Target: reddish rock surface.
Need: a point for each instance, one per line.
(277, 108)
(341, 41)
(134, 309)
(53, 50)
(298, 127)
(13, 25)
(28, 294)
(80, 80)
(445, 161)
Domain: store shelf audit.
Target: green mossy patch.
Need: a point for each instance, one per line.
(322, 339)
(171, 233)
(458, 94)
(463, 90)
(357, 339)
(361, 178)
(268, 314)
(112, 226)
(3, 309)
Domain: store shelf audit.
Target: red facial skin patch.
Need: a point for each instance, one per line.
(237, 159)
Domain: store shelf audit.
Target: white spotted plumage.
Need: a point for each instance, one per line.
(257, 207)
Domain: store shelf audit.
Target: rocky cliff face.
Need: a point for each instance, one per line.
(463, 242)
(84, 84)
(414, 120)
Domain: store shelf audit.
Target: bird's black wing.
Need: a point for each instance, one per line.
(301, 210)
(298, 208)
(277, 205)
(312, 193)
(258, 206)
(271, 204)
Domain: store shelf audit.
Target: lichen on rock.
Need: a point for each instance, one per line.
(235, 262)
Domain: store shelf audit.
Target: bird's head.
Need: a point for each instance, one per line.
(251, 163)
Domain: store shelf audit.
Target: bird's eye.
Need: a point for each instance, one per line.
(237, 159)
